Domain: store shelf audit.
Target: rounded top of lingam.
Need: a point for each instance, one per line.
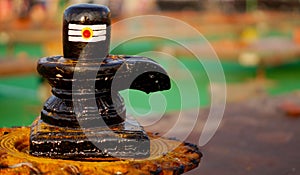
(86, 32)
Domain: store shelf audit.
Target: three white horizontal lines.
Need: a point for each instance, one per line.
(75, 33)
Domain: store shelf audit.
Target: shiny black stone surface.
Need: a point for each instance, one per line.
(125, 140)
(86, 116)
(86, 14)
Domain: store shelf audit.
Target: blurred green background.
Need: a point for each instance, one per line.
(20, 103)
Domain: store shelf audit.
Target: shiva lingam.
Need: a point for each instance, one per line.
(86, 116)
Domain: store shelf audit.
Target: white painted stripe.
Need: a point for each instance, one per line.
(95, 33)
(93, 39)
(93, 27)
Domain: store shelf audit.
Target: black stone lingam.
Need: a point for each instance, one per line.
(86, 117)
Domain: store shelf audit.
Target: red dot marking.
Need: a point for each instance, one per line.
(86, 34)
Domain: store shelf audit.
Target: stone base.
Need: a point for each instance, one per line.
(125, 140)
(168, 156)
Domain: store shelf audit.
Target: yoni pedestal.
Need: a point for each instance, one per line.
(85, 117)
